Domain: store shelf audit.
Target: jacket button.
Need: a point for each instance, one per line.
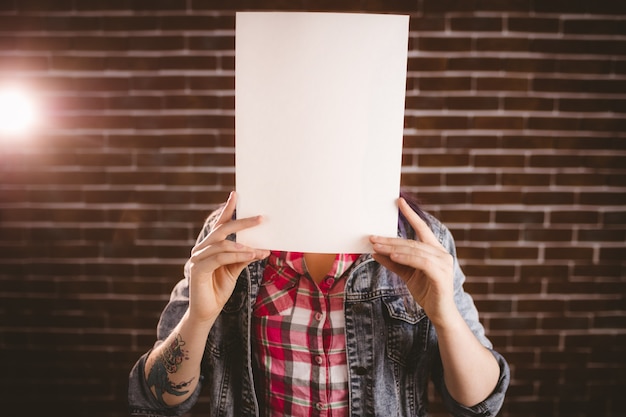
(357, 308)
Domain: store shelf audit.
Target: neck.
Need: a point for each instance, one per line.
(319, 264)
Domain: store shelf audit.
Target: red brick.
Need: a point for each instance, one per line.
(470, 179)
(496, 197)
(564, 6)
(420, 180)
(602, 198)
(592, 105)
(450, 159)
(529, 103)
(210, 43)
(529, 64)
(533, 340)
(493, 235)
(543, 198)
(579, 85)
(425, 102)
(43, 5)
(537, 273)
(467, 253)
(587, 66)
(569, 253)
(612, 161)
(434, 198)
(497, 160)
(533, 24)
(608, 270)
(512, 323)
(212, 83)
(156, 43)
(476, 24)
(513, 252)
(474, 64)
(426, 64)
(130, 23)
(497, 122)
(464, 216)
(422, 141)
(556, 160)
(502, 44)
(547, 235)
(447, 44)
(25, 64)
(523, 179)
(574, 217)
(471, 103)
(534, 141)
(471, 142)
(598, 304)
(521, 217)
(614, 217)
(613, 253)
(574, 46)
(495, 306)
(427, 23)
(198, 22)
(442, 83)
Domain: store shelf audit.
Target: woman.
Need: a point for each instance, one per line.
(288, 334)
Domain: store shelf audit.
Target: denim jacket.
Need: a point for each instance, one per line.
(391, 346)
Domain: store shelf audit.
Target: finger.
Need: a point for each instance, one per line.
(388, 245)
(234, 258)
(419, 225)
(228, 210)
(222, 231)
(416, 256)
(200, 252)
(403, 271)
(225, 226)
(226, 217)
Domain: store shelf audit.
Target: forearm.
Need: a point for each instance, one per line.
(471, 372)
(173, 368)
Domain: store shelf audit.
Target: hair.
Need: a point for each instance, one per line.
(414, 203)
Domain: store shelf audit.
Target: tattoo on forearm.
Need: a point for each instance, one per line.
(169, 362)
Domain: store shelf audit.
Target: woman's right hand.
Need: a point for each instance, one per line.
(216, 263)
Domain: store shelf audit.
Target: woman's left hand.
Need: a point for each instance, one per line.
(424, 264)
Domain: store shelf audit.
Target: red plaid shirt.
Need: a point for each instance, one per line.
(299, 339)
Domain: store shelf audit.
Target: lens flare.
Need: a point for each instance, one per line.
(18, 112)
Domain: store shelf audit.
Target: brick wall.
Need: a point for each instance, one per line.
(515, 137)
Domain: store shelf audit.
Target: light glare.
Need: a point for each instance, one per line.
(18, 112)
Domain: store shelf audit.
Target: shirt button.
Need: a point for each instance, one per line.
(319, 360)
(329, 281)
(320, 406)
(319, 316)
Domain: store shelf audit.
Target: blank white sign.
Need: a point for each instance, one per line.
(319, 118)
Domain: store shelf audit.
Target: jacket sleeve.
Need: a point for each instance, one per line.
(141, 401)
(492, 404)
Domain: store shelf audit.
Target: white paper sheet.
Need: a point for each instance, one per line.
(319, 119)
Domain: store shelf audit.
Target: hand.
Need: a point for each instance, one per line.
(216, 263)
(424, 264)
